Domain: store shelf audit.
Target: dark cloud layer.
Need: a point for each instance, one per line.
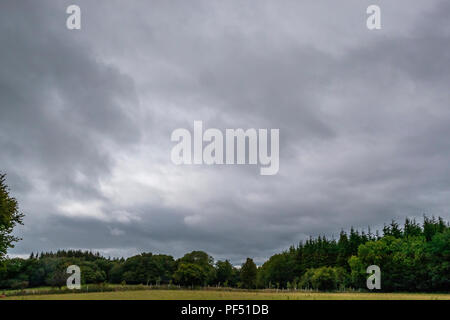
(86, 117)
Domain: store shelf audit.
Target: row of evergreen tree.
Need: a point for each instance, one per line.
(414, 257)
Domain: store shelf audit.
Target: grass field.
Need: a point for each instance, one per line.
(229, 295)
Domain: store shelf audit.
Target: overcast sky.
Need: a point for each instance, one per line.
(86, 118)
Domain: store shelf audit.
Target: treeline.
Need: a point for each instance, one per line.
(413, 257)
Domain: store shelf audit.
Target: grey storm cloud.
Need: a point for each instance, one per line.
(86, 118)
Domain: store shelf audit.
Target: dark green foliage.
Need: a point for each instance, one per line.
(415, 258)
(190, 274)
(277, 271)
(200, 258)
(57, 278)
(224, 273)
(412, 258)
(145, 268)
(437, 256)
(412, 261)
(248, 274)
(411, 228)
(204, 261)
(324, 278)
(9, 218)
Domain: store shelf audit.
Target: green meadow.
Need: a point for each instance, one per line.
(228, 295)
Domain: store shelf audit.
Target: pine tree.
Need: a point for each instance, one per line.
(248, 274)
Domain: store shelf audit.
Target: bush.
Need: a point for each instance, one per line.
(324, 278)
(16, 285)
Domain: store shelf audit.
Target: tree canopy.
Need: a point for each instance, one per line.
(9, 217)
